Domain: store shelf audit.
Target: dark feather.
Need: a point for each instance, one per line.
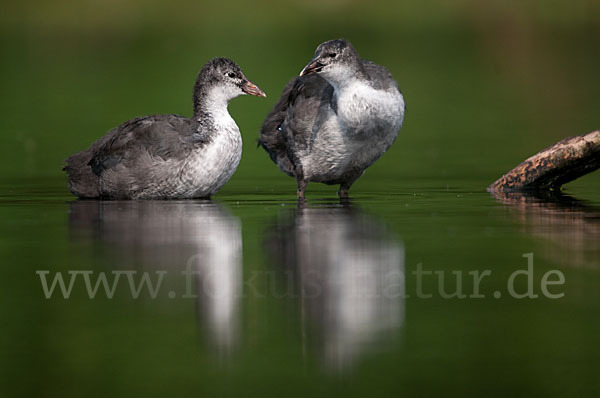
(164, 136)
(379, 76)
(295, 121)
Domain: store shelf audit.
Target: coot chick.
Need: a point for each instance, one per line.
(169, 156)
(334, 120)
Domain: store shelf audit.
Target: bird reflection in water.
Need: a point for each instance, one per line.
(568, 228)
(347, 273)
(172, 236)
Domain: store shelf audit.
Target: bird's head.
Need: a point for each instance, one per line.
(223, 79)
(334, 60)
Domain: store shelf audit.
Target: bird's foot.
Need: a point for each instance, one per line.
(300, 195)
(301, 188)
(343, 193)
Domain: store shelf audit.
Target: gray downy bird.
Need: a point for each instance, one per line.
(334, 120)
(169, 156)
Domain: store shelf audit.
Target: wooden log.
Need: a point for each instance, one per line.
(553, 167)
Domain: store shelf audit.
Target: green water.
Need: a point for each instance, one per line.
(260, 297)
(291, 301)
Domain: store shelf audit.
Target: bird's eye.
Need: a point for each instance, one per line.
(332, 55)
(231, 75)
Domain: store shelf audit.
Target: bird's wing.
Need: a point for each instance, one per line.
(380, 77)
(296, 119)
(162, 136)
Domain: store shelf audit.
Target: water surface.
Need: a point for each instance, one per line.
(258, 294)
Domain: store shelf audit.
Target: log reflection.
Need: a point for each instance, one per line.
(569, 229)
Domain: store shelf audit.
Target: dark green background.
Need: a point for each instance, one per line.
(486, 82)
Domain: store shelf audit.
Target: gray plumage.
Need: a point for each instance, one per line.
(334, 120)
(168, 156)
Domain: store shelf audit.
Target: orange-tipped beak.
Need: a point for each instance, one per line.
(252, 89)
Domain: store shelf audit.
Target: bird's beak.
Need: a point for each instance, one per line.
(250, 88)
(313, 66)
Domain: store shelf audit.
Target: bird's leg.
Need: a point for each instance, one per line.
(302, 183)
(343, 191)
(345, 186)
(301, 188)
